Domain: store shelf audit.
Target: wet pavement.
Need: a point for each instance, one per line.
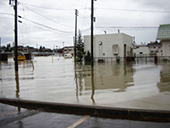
(12, 117)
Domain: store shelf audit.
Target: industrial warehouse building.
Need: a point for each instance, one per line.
(110, 45)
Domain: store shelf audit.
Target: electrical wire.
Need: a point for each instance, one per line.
(58, 9)
(51, 28)
(134, 10)
(116, 27)
(28, 39)
(46, 17)
(54, 29)
(108, 27)
(83, 19)
(6, 13)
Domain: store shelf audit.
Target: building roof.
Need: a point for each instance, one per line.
(163, 32)
(109, 34)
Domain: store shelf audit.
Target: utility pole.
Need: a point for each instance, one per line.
(0, 44)
(92, 13)
(63, 44)
(75, 42)
(16, 37)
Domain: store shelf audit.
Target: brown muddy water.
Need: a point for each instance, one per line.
(131, 85)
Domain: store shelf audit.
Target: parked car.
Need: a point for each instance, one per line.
(67, 56)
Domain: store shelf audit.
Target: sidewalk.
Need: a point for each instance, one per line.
(14, 117)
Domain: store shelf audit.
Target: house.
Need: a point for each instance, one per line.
(164, 37)
(26, 49)
(110, 45)
(141, 50)
(155, 49)
(68, 50)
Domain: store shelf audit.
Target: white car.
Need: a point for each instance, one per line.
(67, 56)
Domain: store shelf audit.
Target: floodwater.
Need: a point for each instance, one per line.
(143, 85)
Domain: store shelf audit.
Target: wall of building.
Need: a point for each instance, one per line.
(141, 50)
(166, 48)
(103, 44)
(68, 50)
(155, 49)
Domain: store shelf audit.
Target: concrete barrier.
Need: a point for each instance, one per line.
(96, 111)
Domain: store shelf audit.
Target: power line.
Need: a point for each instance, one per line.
(6, 13)
(68, 32)
(116, 27)
(115, 9)
(46, 17)
(61, 31)
(84, 14)
(135, 10)
(25, 24)
(47, 7)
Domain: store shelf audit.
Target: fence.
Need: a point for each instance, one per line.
(130, 59)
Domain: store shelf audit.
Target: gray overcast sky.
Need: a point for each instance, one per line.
(50, 22)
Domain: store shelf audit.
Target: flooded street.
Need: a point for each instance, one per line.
(131, 85)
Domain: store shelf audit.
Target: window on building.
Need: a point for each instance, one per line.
(140, 52)
(151, 51)
(154, 47)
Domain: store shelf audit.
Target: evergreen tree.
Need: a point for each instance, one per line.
(8, 48)
(80, 48)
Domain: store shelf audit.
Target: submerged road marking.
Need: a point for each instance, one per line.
(79, 121)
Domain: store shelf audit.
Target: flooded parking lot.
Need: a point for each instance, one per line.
(126, 85)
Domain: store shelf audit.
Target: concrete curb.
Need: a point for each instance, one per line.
(96, 111)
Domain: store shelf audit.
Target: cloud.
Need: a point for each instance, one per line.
(49, 23)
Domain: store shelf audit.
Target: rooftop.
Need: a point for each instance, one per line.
(163, 32)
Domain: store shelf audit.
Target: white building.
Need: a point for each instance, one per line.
(68, 50)
(164, 37)
(141, 50)
(110, 45)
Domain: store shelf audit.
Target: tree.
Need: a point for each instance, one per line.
(88, 57)
(80, 48)
(8, 48)
(156, 42)
(40, 49)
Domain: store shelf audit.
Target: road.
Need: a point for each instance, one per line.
(13, 117)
